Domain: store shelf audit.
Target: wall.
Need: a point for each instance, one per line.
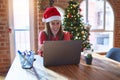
(116, 7)
(4, 37)
(39, 25)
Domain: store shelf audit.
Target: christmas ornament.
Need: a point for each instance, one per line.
(74, 6)
(80, 9)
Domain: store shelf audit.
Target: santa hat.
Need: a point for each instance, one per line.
(51, 14)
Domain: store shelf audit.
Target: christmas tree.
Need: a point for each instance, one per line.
(73, 22)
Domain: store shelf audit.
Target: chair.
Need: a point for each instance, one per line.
(114, 53)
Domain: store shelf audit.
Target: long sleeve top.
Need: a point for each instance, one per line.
(42, 37)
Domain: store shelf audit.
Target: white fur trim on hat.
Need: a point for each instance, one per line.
(51, 19)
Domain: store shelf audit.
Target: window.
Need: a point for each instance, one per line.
(21, 24)
(21, 21)
(99, 14)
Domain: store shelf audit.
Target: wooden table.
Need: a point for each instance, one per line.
(102, 68)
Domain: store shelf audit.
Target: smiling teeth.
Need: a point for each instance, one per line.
(55, 29)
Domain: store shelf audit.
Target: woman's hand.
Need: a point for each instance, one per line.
(41, 49)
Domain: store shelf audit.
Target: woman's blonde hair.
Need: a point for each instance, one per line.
(49, 32)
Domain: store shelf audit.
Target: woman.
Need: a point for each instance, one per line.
(53, 28)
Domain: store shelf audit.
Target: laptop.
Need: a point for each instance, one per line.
(57, 53)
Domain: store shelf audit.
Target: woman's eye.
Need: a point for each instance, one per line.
(53, 23)
(57, 23)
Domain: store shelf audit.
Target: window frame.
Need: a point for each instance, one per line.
(104, 19)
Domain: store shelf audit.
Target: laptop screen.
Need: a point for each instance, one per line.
(62, 52)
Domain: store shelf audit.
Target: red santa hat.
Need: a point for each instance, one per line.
(51, 14)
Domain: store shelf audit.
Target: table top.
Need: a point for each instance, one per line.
(102, 68)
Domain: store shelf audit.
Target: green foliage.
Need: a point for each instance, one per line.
(89, 55)
(73, 22)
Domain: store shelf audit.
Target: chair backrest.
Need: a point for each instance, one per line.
(114, 53)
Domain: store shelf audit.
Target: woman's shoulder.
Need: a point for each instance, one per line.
(66, 35)
(42, 34)
(66, 32)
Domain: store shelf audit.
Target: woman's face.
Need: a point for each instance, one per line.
(55, 26)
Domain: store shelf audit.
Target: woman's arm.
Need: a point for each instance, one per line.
(41, 38)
